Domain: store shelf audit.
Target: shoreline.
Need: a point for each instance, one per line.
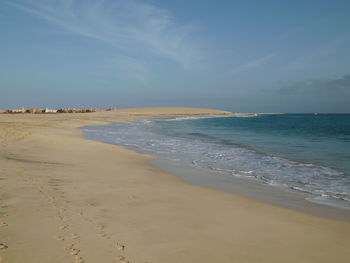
(65, 198)
(255, 189)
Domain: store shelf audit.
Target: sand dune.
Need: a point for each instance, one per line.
(67, 199)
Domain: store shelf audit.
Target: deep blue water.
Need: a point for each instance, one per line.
(304, 152)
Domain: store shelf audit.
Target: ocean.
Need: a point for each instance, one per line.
(307, 153)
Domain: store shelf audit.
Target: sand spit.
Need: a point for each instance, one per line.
(67, 199)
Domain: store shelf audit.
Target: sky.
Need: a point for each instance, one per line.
(243, 56)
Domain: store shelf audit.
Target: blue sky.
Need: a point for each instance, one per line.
(266, 56)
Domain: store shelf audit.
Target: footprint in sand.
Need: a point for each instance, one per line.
(59, 238)
(3, 224)
(120, 246)
(63, 227)
(81, 214)
(78, 259)
(59, 214)
(74, 251)
(3, 246)
(104, 235)
(74, 236)
(120, 258)
(101, 231)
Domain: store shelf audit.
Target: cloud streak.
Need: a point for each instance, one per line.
(252, 64)
(135, 29)
(338, 88)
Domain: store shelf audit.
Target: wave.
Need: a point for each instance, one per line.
(182, 118)
(249, 115)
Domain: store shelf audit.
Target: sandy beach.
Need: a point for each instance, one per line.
(67, 199)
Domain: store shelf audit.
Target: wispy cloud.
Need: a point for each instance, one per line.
(337, 88)
(252, 64)
(310, 59)
(135, 29)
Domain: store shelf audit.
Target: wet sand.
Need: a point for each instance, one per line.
(254, 189)
(67, 199)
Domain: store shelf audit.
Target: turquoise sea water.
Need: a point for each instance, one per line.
(303, 152)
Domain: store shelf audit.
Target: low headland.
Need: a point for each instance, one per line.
(67, 199)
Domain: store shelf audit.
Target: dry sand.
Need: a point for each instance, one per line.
(67, 199)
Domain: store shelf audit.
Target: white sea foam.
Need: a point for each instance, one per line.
(249, 115)
(182, 118)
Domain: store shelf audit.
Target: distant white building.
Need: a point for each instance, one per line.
(50, 111)
(21, 110)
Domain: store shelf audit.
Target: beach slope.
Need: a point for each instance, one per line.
(66, 199)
